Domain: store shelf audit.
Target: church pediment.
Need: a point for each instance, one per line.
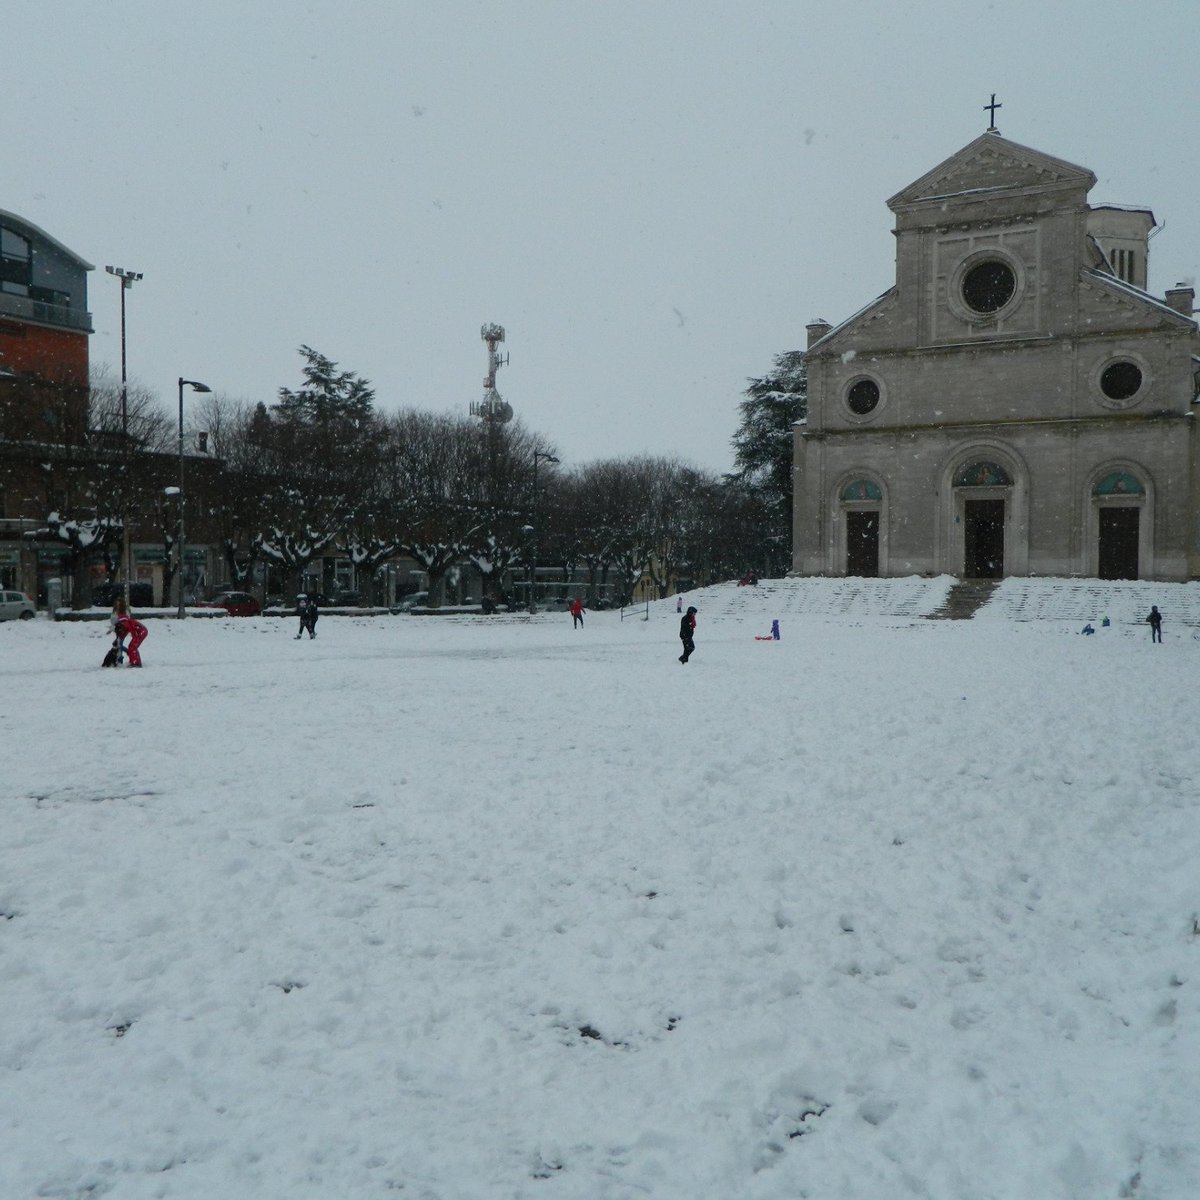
(991, 165)
(1117, 304)
(865, 326)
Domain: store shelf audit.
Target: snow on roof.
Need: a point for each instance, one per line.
(1007, 187)
(1138, 208)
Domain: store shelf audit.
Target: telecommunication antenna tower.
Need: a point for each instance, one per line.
(493, 410)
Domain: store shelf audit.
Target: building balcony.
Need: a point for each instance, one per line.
(40, 312)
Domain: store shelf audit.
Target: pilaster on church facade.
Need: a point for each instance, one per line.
(1016, 403)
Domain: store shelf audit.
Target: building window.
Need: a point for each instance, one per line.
(1123, 261)
(988, 286)
(1121, 380)
(16, 262)
(862, 397)
(1119, 483)
(50, 296)
(862, 489)
(982, 474)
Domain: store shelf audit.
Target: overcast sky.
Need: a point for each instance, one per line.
(652, 198)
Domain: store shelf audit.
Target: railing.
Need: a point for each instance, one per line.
(43, 313)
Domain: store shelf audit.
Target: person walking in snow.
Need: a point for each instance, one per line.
(1155, 619)
(687, 627)
(577, 611)
(308, 612)
(123, 626)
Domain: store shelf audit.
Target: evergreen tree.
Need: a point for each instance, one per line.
(763, 447)
(327, 395)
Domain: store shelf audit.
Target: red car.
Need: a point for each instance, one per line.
(236, 604)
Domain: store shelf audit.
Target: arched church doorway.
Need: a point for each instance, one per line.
(862, 544)
(861, 501)
(984, 487)
(1119, 497)
(983, 539)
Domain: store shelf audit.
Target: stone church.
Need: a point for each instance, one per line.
(1018, 403)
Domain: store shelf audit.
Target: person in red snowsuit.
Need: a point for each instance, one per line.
(577, 611)
(124, 626)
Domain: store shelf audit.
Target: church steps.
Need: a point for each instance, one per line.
(1073, 602)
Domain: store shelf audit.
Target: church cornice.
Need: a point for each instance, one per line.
(1160, 416)
(1010, 344)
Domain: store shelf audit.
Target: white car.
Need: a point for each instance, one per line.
(16, 606)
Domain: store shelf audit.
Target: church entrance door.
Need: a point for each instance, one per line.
(1119, 543)
(983, 538)
(862, 544)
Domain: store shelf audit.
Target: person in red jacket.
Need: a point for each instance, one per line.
(687, 627)
(577, 611)
(124, 626)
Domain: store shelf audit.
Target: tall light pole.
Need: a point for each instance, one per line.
(128, 279)
(533, 541)
(196, 387)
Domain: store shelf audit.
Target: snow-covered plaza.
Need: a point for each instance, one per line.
(461, 907)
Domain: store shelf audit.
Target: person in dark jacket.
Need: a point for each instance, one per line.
(1155, 619)
(308, 612)
(687, 627)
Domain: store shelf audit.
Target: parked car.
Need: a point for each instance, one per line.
(344, 600)
(16, 606)
(141, 595)
(236, 604)
(411, 601)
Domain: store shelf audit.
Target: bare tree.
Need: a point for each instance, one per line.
(431, 471)
(149, 423)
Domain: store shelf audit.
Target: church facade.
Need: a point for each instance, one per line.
(1017, 403)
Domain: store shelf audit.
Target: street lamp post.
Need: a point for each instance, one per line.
(196, 387)
(128, 279)
(544, 457)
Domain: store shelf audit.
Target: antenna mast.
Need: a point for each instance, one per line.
(493, 409)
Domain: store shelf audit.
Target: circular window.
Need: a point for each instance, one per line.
(988, 286)
(863, 397)
(1121, 380)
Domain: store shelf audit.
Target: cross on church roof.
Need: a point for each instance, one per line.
(992, 109)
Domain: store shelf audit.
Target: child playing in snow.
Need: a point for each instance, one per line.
(123, 626)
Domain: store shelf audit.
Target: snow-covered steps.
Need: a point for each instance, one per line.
(1123, 601)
